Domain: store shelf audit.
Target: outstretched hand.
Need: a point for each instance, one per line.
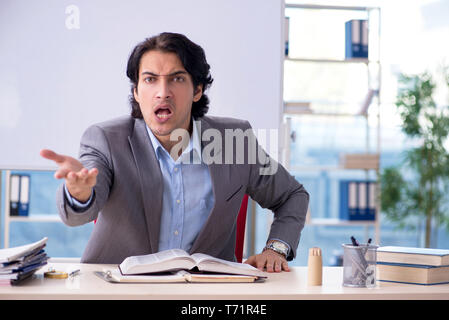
(79, 180)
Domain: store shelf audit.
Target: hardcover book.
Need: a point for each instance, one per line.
(409, 255)
(176, 265)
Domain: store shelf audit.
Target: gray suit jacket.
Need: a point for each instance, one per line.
(127, 199)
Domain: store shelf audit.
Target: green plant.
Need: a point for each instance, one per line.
(418, 189)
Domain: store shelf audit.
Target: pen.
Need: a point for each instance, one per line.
(74, 273)
(354, 241)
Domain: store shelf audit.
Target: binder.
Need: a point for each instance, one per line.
(372, 186)
(344, 209)
(356, 39)
(14, 192)
(353, 209)
(362, 201)
(24, 197)
(287, 30)
(357, 200)
(364, 38)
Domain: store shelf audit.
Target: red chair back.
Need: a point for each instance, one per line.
(241, 224)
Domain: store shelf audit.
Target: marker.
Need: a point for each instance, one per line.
(354, 241)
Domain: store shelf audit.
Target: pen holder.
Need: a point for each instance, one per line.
(359, 266)
(315, 267)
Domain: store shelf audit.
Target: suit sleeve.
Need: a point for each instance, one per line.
(94, 153)
(273, 188)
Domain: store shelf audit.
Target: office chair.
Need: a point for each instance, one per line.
(241, 223)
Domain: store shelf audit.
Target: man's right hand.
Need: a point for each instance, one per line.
(79, 181)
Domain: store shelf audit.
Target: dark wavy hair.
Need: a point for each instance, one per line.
(192, 57)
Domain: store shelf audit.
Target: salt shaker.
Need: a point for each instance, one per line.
(315, 267)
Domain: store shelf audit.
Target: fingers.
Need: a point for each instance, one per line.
(82, 177)
(272, 262)
(51, 155)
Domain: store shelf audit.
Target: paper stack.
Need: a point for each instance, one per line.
(19, 263)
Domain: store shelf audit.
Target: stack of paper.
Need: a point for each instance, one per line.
(19, 263)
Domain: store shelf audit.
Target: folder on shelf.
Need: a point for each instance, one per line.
(362, 201)
(14, 192)
(24, 197)
(352, 201)
(356, 39)
(287, 30)
(357, 200)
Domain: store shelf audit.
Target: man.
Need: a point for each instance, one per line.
(150, 188)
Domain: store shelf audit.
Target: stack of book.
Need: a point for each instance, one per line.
(20, 263)
(365, 161)
(413, 265)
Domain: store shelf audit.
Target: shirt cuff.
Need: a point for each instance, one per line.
(75, 203)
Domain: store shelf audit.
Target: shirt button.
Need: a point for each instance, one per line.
(176, 169)
(176, 232)
(178, 201)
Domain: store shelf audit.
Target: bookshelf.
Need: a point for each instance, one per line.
(368, 110)
(8, 219)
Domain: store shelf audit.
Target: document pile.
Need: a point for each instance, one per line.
(20, 263)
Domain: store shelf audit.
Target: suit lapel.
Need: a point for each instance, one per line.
(150, 180)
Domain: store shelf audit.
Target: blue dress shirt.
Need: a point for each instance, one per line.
(187, 198)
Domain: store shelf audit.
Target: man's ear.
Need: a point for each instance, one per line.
(198, 93)
(136, 96)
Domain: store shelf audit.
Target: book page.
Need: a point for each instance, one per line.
(161, 261)
(11, 254)
(208, 263)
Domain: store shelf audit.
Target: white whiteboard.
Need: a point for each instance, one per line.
(56, 81)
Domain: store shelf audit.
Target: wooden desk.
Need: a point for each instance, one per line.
(286, 286)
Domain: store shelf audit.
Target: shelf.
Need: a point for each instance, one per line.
(353, 60)
(338, 222)
(36, 218)
(326, 7)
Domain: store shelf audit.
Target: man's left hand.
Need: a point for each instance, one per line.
(269, 259)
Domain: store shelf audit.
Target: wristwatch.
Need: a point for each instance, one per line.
(277, 246)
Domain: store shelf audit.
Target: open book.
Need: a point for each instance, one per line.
(179, 266)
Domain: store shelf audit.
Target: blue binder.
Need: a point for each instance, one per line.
(356, 39)
(14, 194)
(357, 202)
(24, 198)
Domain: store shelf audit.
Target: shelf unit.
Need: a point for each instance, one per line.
(23, 219)
(301, 108)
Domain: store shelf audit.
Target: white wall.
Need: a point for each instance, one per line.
(55, 81)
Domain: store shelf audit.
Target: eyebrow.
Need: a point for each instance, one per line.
(169, 75)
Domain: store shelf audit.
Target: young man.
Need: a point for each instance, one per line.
(150, 188)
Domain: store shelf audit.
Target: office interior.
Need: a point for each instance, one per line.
(325, 115)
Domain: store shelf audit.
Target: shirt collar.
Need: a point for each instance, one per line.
(194, 143)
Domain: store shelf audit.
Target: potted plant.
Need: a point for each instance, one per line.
(417, 190)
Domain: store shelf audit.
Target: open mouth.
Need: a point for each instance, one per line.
(163, 112)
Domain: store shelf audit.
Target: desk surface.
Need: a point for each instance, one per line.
(285, 285)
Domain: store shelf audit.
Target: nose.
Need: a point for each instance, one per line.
(163, 89)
